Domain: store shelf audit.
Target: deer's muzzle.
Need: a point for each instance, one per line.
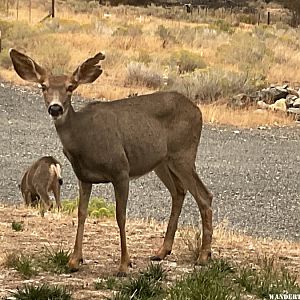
(55, 110)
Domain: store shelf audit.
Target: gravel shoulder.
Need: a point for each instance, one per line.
(253, 174)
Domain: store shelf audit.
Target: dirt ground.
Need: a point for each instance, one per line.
(101, 248)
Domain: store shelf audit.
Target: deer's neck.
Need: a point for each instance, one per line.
(65, 128)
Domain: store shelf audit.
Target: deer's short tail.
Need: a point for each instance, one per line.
(57, 170)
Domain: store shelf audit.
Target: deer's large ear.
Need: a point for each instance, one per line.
(88, 71)
(26, 67)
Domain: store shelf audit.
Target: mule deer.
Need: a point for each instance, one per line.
(42, 177)
(120, 140)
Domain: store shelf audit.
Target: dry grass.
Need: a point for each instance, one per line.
(101, 248)
(248, 118)
(129, 31)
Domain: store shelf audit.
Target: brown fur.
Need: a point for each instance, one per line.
(120, 140)
(40, 179)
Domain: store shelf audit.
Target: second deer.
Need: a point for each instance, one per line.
(42, 177)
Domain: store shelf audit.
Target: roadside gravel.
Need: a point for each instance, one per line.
(253, 174)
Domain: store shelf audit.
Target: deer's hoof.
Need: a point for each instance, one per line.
(159, 257)
(155, 258)
(203, 258)
(73, 264)
(121, 274)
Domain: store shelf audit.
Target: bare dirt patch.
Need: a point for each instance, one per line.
(101, 249)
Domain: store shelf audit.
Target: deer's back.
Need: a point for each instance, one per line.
(38, 174)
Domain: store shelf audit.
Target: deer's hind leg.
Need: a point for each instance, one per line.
(45, 201)
(191, 181)
(177, 192)
(56, 193)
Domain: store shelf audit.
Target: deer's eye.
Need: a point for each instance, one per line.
(43, 87)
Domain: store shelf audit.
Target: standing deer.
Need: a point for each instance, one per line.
(43, 176)
(121, 140)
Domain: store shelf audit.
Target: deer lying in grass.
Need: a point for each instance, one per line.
(42, 177)
(120, 140)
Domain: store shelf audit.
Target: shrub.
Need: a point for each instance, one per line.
(51, 53)
(213, 84)
(20, 31)
(245, 50)
(130, 30)
(98, 207)
(42, 292)
(140, 74)
(222, 25)
(187, 61)
(165, 34)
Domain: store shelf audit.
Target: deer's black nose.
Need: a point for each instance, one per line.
(55, 110)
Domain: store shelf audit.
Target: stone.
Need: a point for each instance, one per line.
(279, 105)
(271, 95)
(296, 103)
(293, 92)
(241, 100)
(295, 112)
(262, 105)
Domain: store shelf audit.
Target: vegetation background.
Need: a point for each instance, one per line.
(208, 55)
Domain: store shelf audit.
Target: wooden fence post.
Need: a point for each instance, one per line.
(17, 9)
(29, 11)
(53, 9)
(269, 18)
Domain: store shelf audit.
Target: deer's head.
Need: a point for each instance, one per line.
(57, 90)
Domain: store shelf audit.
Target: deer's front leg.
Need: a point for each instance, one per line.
(121, 186)
(84, 197)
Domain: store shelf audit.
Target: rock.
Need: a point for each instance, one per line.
(296, 103)
(241, 101)
(295, 112)
(262, 105)
(289, 100)
(279, 105)
(271, 95)
(293, 92)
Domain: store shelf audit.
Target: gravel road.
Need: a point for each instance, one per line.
(253, 174)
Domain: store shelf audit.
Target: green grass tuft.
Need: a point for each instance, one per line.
(56, 260)
(17, 226)
(24, 264)
(42, 292)
(268, 279)
(148, 285)
(209, 283)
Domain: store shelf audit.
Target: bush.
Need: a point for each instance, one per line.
(187, 61)
(245, 50)
(51, 53)
(140, 74)
(98, 207)
(165, 34)
(222, 25)
(213, 84)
